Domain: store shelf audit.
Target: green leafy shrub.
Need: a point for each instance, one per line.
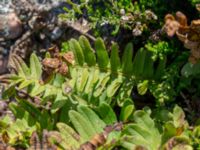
(194, 2)
(160, 49)
(145, 132)
(16, 133)
(111, 14)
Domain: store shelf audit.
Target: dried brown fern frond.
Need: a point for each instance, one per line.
(42, 143)
(57, 62)
(189, 35)
(100, 139)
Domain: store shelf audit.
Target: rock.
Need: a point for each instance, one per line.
(3, 105)
(32, 25)
(10, 26)
(57, 32)
(3, 64)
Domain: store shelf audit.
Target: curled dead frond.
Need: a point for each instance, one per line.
(189, 35)
(101, 138)
(42, 144)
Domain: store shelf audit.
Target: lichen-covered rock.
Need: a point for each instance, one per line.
(28, 25)
(10, 26)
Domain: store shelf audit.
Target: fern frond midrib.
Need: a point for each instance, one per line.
(108, 69)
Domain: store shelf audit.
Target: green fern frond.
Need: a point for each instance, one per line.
(88, 127)
(95, 77)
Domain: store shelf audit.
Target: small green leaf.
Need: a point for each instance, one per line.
(161, 67)
(107, 114)
(82, 125)
(143, 131)
(138, 62)
(142, 87)
(18, 67)
(116, 30)
(17, 111)
(65, 47)
(178, 116)
(83, 76)
(58, 80)
(114, 86)
(124, 91)
(126, 110)
(90, 57)
(25, 83)
(103, 80)
(127, 64)
(69, 135)
(102, 54)
(190, 69)
(76, 48)
(92, 80)
(9, 92)
(141, 117)
(169, 131)
(32, 109)
(50, 91)
(59, 102)
(148, 71)
(96, 122)
(37, 89)
(22, 66)
(35, 66)
(114, 59)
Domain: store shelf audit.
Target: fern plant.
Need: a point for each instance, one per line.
(103, 122)
(103, 131)
(98, 132)
(95, 77)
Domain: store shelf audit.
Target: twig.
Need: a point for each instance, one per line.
(186, 101)
(4, 78)
(74, 26)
